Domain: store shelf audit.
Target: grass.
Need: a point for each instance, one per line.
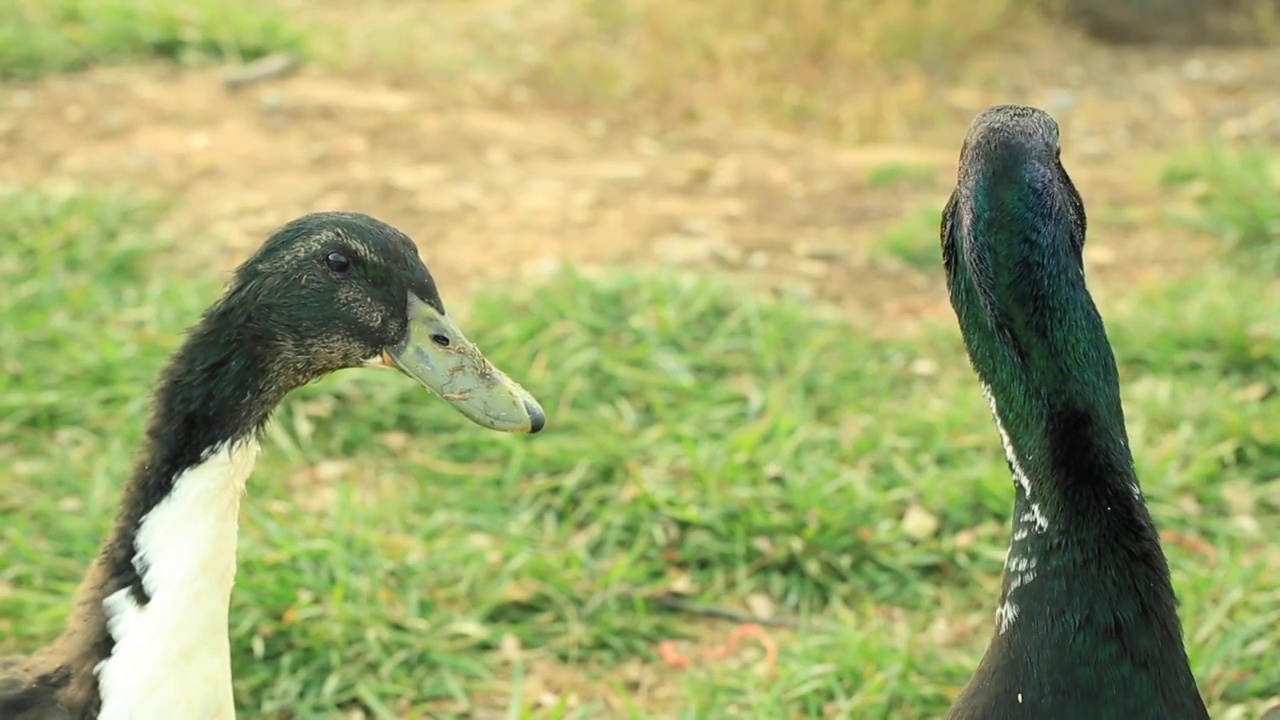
(855, 70)
(763, 59)
(903, 175)
(851, 68)
(1236, 194)
(47, 36)
(910, 242)
(397, 561)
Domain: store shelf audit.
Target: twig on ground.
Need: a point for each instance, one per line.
(264, 68)
(677, 604)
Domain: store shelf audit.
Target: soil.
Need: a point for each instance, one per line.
(497, 194)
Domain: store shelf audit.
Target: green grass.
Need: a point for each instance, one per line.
(47, 36)
(905, 175)
(911, 242)
(400, 561)
(1237, 196)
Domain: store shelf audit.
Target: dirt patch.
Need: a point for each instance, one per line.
(497, 194)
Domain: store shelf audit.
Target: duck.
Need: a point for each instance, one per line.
(147, 635)
(1087, 626)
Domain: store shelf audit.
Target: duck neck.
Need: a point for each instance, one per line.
(210, 404)
(164, 577)
(1087, 623)
(1079, 524)
(1085, 574)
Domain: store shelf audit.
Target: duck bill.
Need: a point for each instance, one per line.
(439, 356)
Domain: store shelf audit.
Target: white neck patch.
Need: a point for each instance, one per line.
(1019, 569)
(172, 657)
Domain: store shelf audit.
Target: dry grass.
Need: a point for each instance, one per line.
(808, 62)
(856, 69)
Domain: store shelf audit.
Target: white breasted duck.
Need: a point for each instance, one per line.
(1087, 626)
(147, 638)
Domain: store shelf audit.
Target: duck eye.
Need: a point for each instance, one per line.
(338, 262)
(441, 340)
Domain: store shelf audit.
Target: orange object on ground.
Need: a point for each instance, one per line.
(670, 655)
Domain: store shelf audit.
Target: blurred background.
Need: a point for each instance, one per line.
(704, 234)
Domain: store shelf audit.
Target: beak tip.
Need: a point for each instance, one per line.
(537, 418)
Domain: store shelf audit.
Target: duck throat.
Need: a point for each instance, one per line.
(167, 571)
(1083, 543)
(170, 657)
(1030, 524)
(1074, 493)
(1086, 584)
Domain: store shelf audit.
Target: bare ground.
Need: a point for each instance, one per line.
(493, 194)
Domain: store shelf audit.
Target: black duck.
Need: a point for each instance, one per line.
(1087, 627)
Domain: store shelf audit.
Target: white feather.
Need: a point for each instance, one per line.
(1019, 569)
(172, 656)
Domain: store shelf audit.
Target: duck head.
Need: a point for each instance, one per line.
(1011, 175)
(335, 290)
